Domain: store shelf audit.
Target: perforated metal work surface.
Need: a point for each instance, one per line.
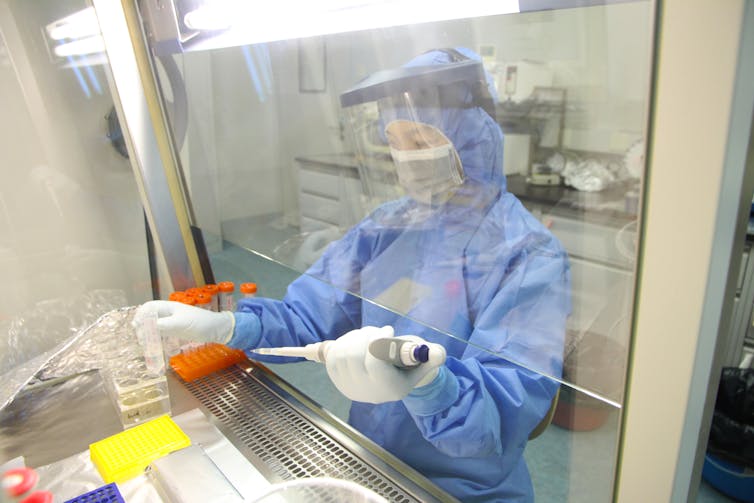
(287, 442)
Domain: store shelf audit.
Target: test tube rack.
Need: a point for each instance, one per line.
(137, 394)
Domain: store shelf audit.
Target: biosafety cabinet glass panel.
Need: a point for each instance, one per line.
(474, 180)
(72, 232)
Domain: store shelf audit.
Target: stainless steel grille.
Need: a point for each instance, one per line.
(287, 442)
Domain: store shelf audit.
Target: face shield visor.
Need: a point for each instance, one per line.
(396, 122)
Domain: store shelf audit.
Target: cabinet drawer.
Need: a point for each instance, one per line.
(321, 208)
(320, 183)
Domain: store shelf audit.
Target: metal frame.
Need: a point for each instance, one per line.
(149, 142)
(286, 435)
(692, 241)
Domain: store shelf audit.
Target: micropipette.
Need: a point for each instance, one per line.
(402, 353)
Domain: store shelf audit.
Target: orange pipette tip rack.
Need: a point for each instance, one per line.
(197, 362)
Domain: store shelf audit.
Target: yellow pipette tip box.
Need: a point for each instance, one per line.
(127, 454)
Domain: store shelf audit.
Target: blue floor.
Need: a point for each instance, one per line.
(565, 465)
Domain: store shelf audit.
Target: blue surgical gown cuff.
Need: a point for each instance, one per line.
(434, 397)
(247, 332)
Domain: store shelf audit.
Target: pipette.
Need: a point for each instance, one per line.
(400, 352)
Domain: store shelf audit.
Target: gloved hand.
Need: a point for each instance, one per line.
(175, 319)
(363, 378)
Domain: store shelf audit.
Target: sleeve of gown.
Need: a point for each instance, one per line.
(316, 305)
(483, 403)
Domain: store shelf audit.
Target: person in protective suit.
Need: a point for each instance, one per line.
(458, 262)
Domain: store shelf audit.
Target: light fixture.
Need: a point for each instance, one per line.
(80, 24)
(214, 24)
(81, 47)
(77, 34)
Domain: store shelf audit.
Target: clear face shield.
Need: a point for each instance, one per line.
(395, 124)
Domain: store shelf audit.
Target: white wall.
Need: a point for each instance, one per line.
(599, 54)
(72, 241)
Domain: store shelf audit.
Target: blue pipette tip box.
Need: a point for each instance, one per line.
(105, 494)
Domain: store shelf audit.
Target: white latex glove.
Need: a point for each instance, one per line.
(363, 378)
(175, 319)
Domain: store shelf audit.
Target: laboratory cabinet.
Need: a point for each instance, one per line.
(329, 192)
(270, 141)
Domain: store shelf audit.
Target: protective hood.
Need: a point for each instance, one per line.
(475, 135)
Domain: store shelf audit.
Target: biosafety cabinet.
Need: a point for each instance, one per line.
(154, 146)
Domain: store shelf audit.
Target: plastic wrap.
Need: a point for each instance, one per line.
(51, 323)
(588, 175)
(108, 343)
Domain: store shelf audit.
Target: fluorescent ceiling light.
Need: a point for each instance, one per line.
(245, 22)
(88, 45)
(80, 24)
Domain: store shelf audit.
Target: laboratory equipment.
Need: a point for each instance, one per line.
(225, 296)
(182, 297)
(193, 291)
(520, 79)
(400, 352)
(319, 489)
(18, 485)
(137, 394)
(204, 301)
(134, 377)
(108, 493)
(248, 289)
(190, 476)
(148, 337)
(212, 290)
(193, 363)
(125, 455)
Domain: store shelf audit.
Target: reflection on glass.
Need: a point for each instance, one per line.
(492, 208)
(71, 229)
(286, 173)
(458, 254)
(568, 461)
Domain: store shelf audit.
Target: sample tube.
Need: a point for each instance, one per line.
(248, 289)
(204, 301)
(193, 292)
(183, 298)
(171, 344)
(225, 297)
(187, 299)
(212, 290)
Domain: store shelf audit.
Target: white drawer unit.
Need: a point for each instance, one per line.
(320, 183)
(329, 192)
(316, 207)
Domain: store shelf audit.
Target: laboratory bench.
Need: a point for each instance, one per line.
(254, 427)
(614, 206)
(330, 188)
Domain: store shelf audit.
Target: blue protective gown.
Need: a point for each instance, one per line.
(478, 267)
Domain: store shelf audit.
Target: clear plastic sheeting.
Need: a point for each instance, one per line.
(49, 422)
(108, 339)
(52, 322)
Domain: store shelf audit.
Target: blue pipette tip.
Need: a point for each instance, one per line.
(421, 353)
